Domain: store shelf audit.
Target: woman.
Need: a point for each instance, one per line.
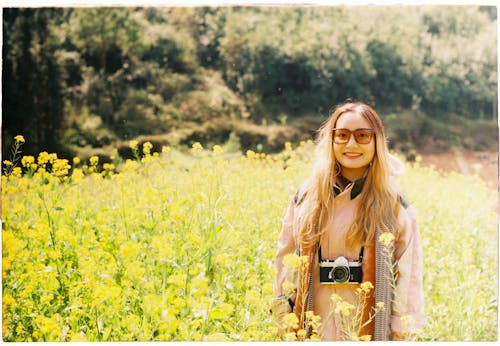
(333, 223)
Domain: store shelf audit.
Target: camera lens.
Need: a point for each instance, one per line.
(341, 274)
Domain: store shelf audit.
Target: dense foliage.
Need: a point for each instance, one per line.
(81, 77)
(128, 252)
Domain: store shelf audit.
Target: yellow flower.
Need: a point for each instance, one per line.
(217, 149)
(8, 300)
(366, 286)
(133, 144)
(301, 334)
(335, 298)
(76, 161)
(129, 249)
(94, 160)
(312, 317)
(47, 326)
(222, 311)
(27, 160)
(291, 321)
(77, 174)
(251, 154)
(108, 166)
(19, 139)
(19, 328)
(43, 158)
(386, 238)
(165, 149)
(197, 147)
(304, 260)
(217, 337)
(407, 320)
(17, 171)
(344, 308)
(60, 167)
(288, 146)
(290, 337)
(146, 148)
(7, 163)
(291, 261)
(365, 337)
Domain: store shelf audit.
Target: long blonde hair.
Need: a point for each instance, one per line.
(378, 199)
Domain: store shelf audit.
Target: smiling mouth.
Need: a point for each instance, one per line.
(352, 155)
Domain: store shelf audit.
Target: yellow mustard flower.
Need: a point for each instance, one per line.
(386, 238)
(77, 174)
(291, 321)
(133, 144)
(60, 167)
(43, 158)
(17, 172)
(251, 154)
(146, 148)
(407, 320)
(366, 286)
(217, 149)
(301, 334)
(26, 161)
(290, 336)
(94, 160)
(108, 166)
(291, 261)
(197, 146)
(344, 308)
(19, 139)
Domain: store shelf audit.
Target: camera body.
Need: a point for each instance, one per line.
(340, 270)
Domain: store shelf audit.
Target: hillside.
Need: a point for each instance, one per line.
(84, 81)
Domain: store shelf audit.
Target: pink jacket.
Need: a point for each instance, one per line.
(409, 264)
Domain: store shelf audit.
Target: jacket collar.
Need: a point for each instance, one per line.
(357, 186)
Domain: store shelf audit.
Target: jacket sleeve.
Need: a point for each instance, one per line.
(408, 307)
(287, 244)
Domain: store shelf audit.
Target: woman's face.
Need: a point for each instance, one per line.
(353, 156)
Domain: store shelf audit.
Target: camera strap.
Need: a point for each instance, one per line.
(360, 258)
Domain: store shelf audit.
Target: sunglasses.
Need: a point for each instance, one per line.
(362, 136)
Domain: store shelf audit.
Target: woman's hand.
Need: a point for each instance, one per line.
(279, 309)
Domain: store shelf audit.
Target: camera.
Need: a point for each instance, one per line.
(340, 270)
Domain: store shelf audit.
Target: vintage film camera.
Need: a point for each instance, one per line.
(340, 270)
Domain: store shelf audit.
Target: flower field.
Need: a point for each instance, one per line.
(180, 246)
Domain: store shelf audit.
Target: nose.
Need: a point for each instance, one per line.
(352, 141)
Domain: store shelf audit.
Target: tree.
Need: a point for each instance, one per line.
(33, 80)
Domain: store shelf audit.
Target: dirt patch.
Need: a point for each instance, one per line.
(483, 163)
